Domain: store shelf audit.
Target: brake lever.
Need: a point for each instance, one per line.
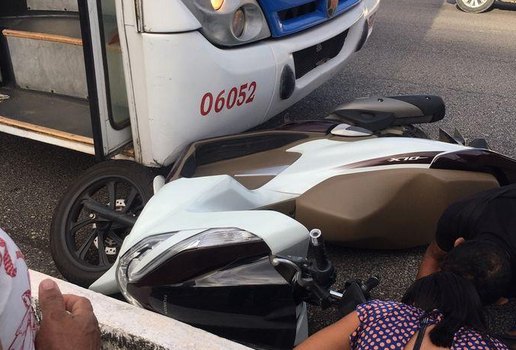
(295, 263)
(369, 285)
(355, 293)
(300, 274)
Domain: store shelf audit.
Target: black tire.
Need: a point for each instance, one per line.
(475, 6)
(83, 244)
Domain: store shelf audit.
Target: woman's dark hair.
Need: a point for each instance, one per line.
(455, 297)
(483, 263)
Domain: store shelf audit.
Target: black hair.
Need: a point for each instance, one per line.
(483, 263)
(452, 295)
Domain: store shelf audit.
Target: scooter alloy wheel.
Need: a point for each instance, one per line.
(94, 216)
(475, 6)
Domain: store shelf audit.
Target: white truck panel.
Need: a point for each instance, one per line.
(129, 11)
(371, 7)
(175, 81)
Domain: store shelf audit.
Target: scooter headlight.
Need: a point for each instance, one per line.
(195, 256)
(130, 259)
(230, 22)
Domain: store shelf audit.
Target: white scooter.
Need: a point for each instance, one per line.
(223, 245)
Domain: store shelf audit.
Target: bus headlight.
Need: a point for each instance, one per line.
(217, 4)
(230, 22)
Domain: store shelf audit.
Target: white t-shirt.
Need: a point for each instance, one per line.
(17, 322)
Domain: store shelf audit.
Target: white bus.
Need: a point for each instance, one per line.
(141, 79)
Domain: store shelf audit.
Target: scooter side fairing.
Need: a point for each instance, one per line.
(388, 209)
(325, 158)
(202, 154)
(285, 169)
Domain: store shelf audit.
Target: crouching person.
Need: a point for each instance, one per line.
(476, 239)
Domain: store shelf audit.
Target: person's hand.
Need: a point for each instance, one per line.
(68, 322)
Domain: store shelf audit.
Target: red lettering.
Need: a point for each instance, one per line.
(237, 96)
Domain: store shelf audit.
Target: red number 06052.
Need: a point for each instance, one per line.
(228, 99)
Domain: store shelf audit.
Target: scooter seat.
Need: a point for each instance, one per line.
(379, 113)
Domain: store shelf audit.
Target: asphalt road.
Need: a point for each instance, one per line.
(418, 46)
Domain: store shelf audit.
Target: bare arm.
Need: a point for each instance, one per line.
(334, 337)
(431, 260)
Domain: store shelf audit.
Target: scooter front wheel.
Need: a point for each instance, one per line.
(94, 216)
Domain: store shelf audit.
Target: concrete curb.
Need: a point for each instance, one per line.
(125, 326)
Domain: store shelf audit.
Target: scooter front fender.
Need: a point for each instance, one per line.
(107, 283)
